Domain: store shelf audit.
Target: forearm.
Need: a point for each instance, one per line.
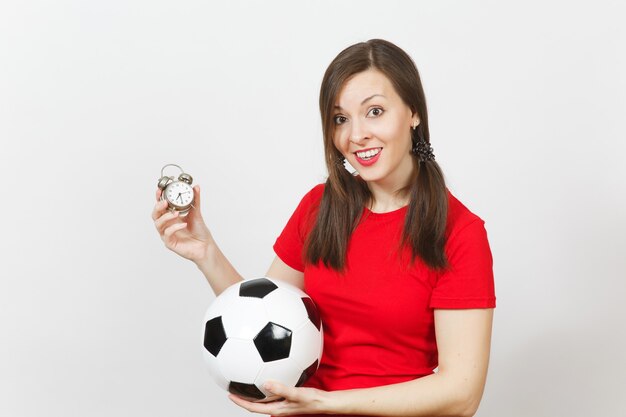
(218, 270)
(433, 395)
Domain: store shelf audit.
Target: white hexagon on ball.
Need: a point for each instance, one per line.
(213, 368)
(281, 300)
(239, 361)
(304, 352)
(244, 320)
(282, 370)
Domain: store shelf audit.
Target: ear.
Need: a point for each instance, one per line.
(414, 117)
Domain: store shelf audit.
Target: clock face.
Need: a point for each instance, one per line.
(179, 193)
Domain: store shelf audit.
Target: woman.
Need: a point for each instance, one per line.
(400, 270)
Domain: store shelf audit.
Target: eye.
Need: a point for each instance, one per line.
(378, 111)
(339, 120)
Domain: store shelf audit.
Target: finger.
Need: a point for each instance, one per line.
(281, 390)
(261, 408)
(196, 199)
(167, 234)
(158, 194)
(159, 209)
(195, 211)
(164, 219)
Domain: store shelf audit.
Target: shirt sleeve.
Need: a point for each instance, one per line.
(469, 281)
(290, 243)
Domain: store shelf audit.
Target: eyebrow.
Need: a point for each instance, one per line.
(364, 101)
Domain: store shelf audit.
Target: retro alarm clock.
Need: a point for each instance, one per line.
(177, 192)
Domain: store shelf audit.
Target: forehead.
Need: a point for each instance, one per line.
(363, 85)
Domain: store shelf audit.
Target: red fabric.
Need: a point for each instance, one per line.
(378, 317)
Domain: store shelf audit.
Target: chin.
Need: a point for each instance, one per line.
(369, 176)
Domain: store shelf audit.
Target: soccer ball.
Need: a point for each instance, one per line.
(262, 329)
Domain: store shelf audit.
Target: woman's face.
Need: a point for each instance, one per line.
(372, 129)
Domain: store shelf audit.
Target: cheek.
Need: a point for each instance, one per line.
(340, 140)
(397, 134)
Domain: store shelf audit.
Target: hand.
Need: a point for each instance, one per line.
(294, 401)
(189, 236)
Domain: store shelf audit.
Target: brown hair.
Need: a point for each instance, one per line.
(345, 195)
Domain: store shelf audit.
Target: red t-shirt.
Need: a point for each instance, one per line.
(378, 316)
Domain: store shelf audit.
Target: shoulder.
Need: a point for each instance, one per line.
(313, 196)
(308, 206)
(459, 217)
(468, 281)
(317, 191)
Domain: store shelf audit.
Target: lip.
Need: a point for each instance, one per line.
(369, 161)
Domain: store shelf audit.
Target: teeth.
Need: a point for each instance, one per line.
(368, 154)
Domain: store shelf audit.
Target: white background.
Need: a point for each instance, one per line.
(527, 103)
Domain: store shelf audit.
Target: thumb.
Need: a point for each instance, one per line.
(196, 201)
(279, 389)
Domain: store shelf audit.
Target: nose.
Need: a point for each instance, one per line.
(358, 134)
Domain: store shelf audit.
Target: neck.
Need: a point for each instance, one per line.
(393, 193)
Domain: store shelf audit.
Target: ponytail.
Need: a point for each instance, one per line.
(339, 213)
(426, 217)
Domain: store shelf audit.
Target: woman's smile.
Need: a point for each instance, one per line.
(368, 157)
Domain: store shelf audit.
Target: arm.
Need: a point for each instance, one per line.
(217, 265)
(284, 272)
(220, 273)
(463, 340)
(217, 269)
(191, 239)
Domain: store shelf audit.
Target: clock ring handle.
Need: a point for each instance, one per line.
(171, 165)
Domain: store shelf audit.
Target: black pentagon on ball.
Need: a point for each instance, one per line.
(257, 288)
(214, 335)
(307, 373)
(311, 310)
(273, 342)
(248, 392)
